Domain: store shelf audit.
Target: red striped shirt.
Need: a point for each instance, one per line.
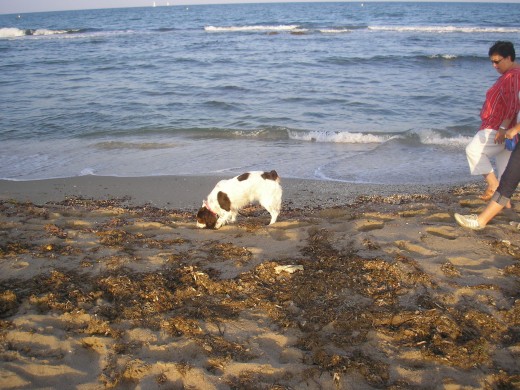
(502, 101)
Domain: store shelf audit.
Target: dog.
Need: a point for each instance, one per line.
(229, 196)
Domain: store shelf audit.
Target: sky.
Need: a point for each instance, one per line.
(24, 6)
(21, 6)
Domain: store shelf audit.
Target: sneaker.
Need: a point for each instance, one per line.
(468, 221)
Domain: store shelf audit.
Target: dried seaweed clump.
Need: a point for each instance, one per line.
(8, 303)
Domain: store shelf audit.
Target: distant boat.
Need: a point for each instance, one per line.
(153, 4)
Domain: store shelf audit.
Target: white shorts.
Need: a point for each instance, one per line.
(482, 149)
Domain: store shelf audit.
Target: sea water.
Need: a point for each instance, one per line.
(355, 92)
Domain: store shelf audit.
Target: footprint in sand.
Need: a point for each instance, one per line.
(372, 221)
(286, 230)
(334, 213)
(464, 261)
(439, 217)
(408, 246)
(446, 232)
(279, 235)
(379, 216)
(471, 203)
(78, 223)
(20, 265)
(368, 225)
(413, 213)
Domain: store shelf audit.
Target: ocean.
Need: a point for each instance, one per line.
(386, 93)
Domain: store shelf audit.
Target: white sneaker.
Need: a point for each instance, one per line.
(468, 221)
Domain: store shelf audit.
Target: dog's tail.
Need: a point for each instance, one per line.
(273, 175)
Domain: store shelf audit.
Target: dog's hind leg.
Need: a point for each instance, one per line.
(274, 216)
(273, 205)
(274, 210)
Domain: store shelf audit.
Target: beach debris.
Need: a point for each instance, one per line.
(8, 303)
(56, 231)
(288, 268)
(139, 289)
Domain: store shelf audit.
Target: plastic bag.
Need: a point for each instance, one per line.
(511, 143)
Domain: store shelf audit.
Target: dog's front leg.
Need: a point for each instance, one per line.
(222, 220)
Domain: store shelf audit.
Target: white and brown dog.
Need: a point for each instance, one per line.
(229, 196)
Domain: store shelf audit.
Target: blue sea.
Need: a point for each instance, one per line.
(355, 92)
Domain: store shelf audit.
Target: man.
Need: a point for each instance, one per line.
(498, 114)
(502, 196)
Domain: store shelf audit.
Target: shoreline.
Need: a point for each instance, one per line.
(188, 192)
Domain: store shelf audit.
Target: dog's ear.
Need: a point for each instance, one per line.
(223, 201)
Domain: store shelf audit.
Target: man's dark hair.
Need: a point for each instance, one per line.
(504, 49)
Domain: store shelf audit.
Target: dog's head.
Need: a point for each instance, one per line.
(206, 218)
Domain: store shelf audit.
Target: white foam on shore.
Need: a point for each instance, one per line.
(348, 157)
(338, 137)
(13, 32)
(250, 28)
(447, 29)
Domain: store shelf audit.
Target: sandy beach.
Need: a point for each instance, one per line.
(107, 283)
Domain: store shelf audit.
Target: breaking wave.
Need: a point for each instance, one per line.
(447, 29)
(251, 28)
(13, 32)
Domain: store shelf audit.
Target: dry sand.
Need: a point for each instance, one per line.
(106, 283)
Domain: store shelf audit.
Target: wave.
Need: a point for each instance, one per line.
(335, 30)
(13, 32)
(447, 29)
(418, 137)
(440, 57)
(298, 29)
(338, 137)
(431, 137)
(260, 28)
(443, 56)
(291, 28)
(445, 139)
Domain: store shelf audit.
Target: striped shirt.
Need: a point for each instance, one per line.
(502, 101)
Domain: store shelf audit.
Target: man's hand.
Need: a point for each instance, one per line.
(500, 136)
(510, 133)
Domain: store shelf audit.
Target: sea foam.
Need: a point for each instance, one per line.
(250, 28)
(13, 32)
(337, 137)
(447, 29)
